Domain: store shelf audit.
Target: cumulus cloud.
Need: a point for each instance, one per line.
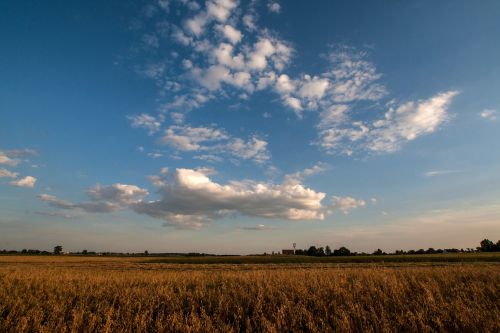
(274, 7)
(349, 78)
(215, 142)
(488, 114)
(145, 121)
(189, 198)
(218, 10)
(28, 181)
(4, 173)
(231, 33)
(345, 204)
(103, 199)
(254, 149)
(188, 138)
(402, 123)
(6, 160)
(409, 121)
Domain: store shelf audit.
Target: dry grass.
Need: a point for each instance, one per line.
(123, 295)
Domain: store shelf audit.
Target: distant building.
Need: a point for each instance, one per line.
(288, 252)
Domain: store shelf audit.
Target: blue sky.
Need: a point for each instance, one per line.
(245, 126)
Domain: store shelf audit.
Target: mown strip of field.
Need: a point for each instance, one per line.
(235, 260)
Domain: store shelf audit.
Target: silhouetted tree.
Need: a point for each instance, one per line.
(321, 252)
(57, 249)
(379, 252)
(312, 251)
(342, 251)
(328, 251)
(84, 252)
(487, 246)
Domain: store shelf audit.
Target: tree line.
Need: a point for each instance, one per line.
(486, 245)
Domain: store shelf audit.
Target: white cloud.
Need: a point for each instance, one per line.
(191, 138)
(4, 173)
(403, 123)
(146, 121)
(196, 24)
(299, 176)
(433, 173)
(232, 34)
(28, 181)
(4, 159)
(409, 121)
(190, 199)
(488, 114)
(313, 88)
(345, 204)
(55, 202)
(218, 10)
(103, 199)
(255, 149)
(249, 22)
(333, 115)
(293, 102)
(353, 78)
(215, 142)
(274, 7)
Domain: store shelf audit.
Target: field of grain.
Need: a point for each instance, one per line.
(58, 294)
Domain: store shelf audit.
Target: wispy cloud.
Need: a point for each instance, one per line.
(434, 173)
(488, 114)
(260, 227)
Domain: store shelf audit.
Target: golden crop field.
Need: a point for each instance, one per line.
(74, 294)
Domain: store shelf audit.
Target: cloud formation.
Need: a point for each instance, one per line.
(345, 204)
(401, 123)
(189, 198)
(4, 173)
(488, 114)
(28, 181)
(215, 143)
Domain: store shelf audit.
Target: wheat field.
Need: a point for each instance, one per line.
(47, 294)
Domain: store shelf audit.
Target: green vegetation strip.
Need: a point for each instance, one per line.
(469, 257)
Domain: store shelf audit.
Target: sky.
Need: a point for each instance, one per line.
(226, 126)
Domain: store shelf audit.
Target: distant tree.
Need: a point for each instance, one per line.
(328, 251)
(379, 252)
(312, 251)
(497, 246)
(487, 246)
(58, 249)
(146, 253)
(342, 251)
(84, 252)
(321, 252)
(430, 251)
